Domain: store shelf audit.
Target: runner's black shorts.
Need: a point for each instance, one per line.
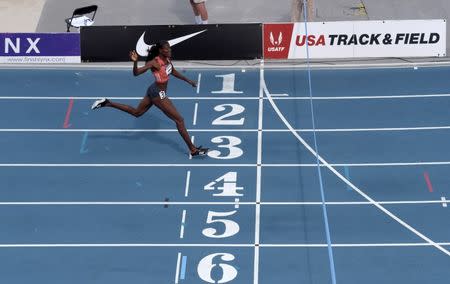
(154, 92)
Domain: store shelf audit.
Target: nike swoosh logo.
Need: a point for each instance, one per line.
(143, 48)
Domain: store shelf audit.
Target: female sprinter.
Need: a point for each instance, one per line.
(158, 62)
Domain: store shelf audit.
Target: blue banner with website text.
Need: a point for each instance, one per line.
(40, 48)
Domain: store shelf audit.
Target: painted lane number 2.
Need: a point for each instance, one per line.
(225, 119)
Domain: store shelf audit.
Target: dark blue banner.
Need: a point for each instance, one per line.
(42, 45)
(28, 44)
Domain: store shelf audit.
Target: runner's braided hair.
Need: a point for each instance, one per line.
(154, 50)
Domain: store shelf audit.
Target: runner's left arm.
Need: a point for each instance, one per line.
(181, 77)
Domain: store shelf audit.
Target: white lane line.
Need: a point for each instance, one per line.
(111, 245)
(229, 165)
(325, 130)
(183, 221)
(282, 97)
(194, 120)
(192, 140)
(198, 82)
(258, 181)
(187, 203)
(186, 187)
(177, 271)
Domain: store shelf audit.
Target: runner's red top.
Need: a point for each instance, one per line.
(162, 75)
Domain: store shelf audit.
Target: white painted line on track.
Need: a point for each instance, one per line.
(194, 120)
(280, 97)
(193, 203)
(443, 163)
(389, 129)
(177, 271)
(183, 222)
(186, 187)
(124, 245)
(199, 82)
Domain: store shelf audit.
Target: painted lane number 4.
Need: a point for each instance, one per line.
(229, 188)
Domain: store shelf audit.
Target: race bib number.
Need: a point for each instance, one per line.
(162, 95)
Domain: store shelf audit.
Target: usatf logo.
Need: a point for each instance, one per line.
(276, 42)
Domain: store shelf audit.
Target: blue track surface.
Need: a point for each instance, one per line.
(103, 197)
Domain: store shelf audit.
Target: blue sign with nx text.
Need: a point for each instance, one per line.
(40, 44)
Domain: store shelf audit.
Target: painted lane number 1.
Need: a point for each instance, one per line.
(227, 84)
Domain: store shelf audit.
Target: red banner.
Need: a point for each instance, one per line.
(277, 40)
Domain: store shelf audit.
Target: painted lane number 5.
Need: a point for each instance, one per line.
(231, 227)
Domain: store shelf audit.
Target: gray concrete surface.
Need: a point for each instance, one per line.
(408, 10)
(348, 10)
(20, 15)
(164, 12)
(337, 10)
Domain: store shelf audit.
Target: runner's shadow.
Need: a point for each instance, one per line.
(155, 138)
